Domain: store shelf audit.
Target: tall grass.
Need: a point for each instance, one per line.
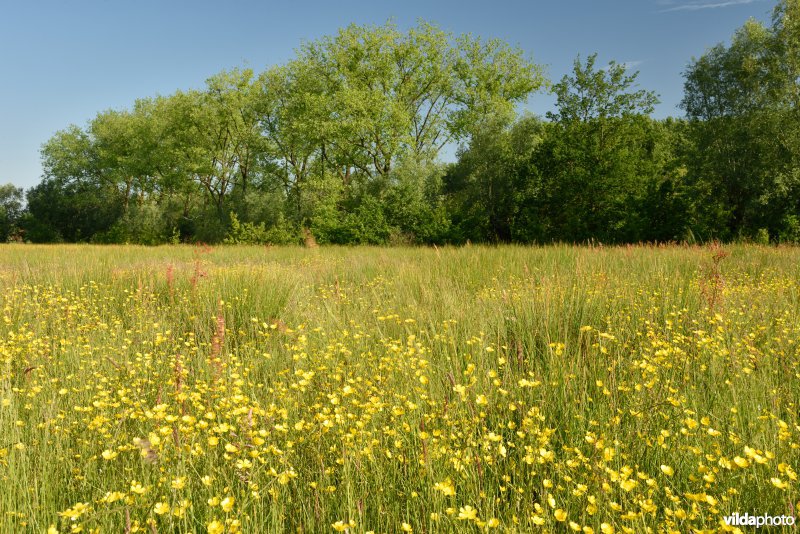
(436, 390)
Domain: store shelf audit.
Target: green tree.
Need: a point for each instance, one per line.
(344, 137)
(393, 95)
(597, 157)
(204, 145)
(371, 100)
(11, 210)
(293, 118)
(76, 198)
(210, 153)
(741, 102)
(70, 210)
(492, 187)
(726, 91)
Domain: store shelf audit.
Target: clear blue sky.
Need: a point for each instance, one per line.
(64, 61)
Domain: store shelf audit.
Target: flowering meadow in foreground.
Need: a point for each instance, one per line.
(556, 389)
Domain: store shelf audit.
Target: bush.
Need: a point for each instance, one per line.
(790, 231)
(762, 236)
(248, 233)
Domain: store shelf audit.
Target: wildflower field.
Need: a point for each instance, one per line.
(253, 389)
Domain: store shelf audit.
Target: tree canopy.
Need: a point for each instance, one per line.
(344, 142)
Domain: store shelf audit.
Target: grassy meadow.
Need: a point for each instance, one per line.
(510, 389)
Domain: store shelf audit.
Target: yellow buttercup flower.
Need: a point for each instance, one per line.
(467, 513)
(343, 526)
(741, 462)
(445, 487)
(227, 504)
(778, 483)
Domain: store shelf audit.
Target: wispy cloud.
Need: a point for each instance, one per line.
(671, 5)
(632, 64)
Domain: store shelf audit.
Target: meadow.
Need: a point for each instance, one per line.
(507, 389)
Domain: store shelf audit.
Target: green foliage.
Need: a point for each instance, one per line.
(600, 170)
(364, 224)
(344, 141)
(10, 212)
(744, 130)
(248, 233)
(143, 223)
(790, 229)
(600, 155)
(71, 210)
(324, 141)
(414, 205)
(599, 96)
(762, 236)
(493, 185)
(245, 234)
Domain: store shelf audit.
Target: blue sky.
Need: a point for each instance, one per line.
(62, 61)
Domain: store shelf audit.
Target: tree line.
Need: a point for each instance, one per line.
(343, 145)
